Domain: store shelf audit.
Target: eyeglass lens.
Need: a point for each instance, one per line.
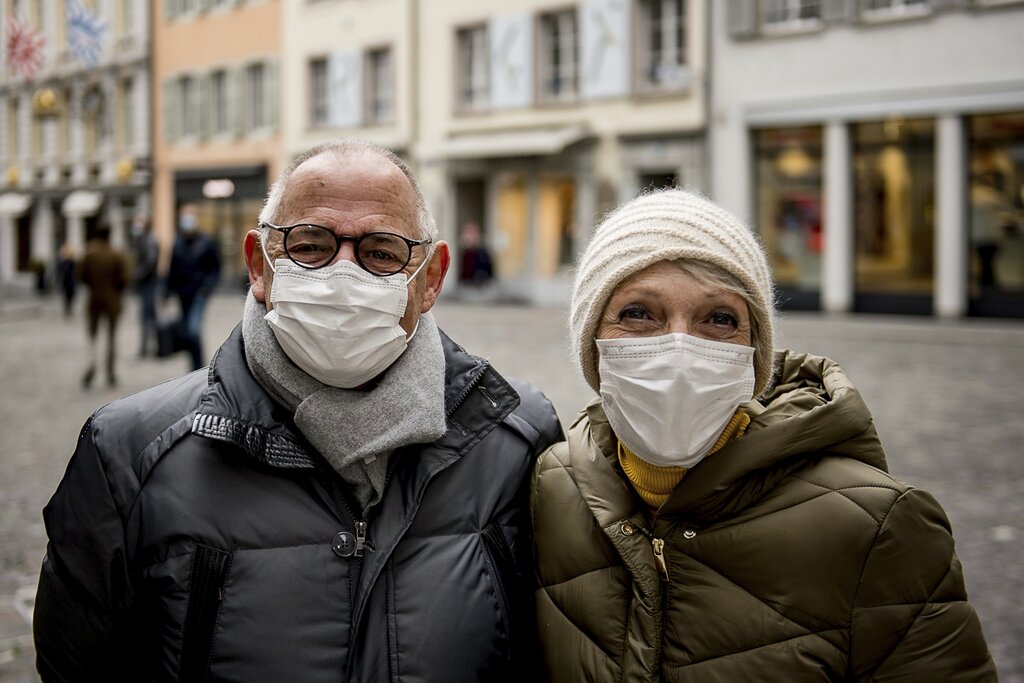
(314, 246)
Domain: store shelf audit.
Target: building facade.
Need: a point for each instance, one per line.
(74, 126)
(878, 148)
(217, 104)
(536, 117)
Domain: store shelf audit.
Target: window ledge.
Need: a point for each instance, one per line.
(792, 28)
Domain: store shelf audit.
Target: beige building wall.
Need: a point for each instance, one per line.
(344, 34)
(228, 36)
(537, 174)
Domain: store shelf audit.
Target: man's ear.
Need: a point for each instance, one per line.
(434, 278)
(255, 263)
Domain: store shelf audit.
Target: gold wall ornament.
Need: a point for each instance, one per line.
(125, 169)
(45, 102)
(13, 175)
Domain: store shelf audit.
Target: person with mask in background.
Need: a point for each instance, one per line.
(722, 512)
(192, 276)
(342, 496)
(146, 251)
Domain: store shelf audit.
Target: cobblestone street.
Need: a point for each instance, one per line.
(946, 397)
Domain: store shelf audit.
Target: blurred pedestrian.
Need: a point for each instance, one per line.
(343, 496)
(721, 512)
(991, 221)
(144, 277)
(67, 276)
(104, 271)
(193, 275)
(475, 266)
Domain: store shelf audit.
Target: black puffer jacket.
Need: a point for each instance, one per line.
(197, 536)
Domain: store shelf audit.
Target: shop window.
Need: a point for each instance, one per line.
(556, 225)
(894, 214)
(788, 182)
(995, 225)
(511, 220)
(558, 57)
(472, 69)
(661, 45)
(379, 86)
(319, 102)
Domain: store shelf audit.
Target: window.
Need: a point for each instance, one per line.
(187, 120)
(895, 8)
(788, 181)
(319, 109)
(995, 213)
(788, 15)
(379, 90)
(473, 80)
(219, 114)
(558, 57)
(255, 82)
(662, 45)
(126, 129)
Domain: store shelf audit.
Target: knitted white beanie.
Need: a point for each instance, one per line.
(668, 225)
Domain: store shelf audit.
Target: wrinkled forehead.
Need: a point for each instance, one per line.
(358, 189)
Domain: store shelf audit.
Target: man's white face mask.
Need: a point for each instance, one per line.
(669, 398)
(340, 323)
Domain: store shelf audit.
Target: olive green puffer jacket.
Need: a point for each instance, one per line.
(791, 555)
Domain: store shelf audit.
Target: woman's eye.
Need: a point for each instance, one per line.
(723, 318)
(634, 313)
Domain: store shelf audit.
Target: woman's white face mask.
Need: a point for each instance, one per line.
(669, 398)
(340, 323)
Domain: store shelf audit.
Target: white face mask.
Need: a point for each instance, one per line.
(339, 323)
(669, 398)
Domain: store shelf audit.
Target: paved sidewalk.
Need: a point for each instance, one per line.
(946, 397)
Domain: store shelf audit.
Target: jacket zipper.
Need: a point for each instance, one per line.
(659, 556)
(210, 568)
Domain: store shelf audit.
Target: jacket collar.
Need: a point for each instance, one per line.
(234, 408)
(813, 410)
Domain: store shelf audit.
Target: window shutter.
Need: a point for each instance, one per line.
(170, 110)
(239, 101)
(270, 93)
(741, 18)
(205, 96)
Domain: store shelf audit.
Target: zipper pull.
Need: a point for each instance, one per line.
(659, 556)
(360, 538)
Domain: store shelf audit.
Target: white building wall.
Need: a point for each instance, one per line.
(326, 29)
(945, 65)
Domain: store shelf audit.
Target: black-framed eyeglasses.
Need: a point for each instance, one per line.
(314, 246)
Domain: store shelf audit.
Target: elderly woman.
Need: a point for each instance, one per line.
(688, 531)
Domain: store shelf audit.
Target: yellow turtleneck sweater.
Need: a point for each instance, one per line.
(653, 483)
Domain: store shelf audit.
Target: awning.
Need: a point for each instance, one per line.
(81, 203)
(521, 143)
(14, 203)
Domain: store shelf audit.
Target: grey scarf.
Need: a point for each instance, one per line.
(356, 431)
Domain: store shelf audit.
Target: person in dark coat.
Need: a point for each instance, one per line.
(144, 278)
(67, 276)
(341, 496)
(104, 271)
(193, 275)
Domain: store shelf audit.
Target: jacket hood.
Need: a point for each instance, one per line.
(813, 410)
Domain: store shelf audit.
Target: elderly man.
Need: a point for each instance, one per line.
(341, 497)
